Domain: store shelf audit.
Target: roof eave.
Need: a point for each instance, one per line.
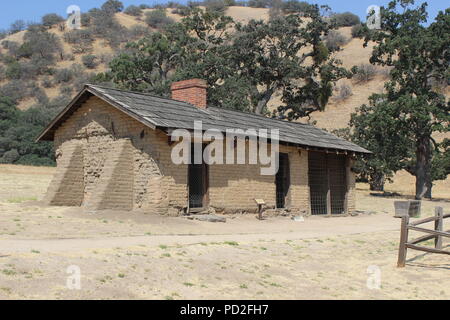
(47, 135)
(43, 136)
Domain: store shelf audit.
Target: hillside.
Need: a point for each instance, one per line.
(70, 71)
(352, 54)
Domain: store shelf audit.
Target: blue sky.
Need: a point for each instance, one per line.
(32, 10)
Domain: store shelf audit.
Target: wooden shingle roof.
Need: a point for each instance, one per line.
(163, 113)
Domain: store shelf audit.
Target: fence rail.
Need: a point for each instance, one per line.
(437, 234)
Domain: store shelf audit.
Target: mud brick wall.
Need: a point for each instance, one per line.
(234, 187)
(108, 160)
(67, 186)
(117, 149)
(114, 189)
(298, 197)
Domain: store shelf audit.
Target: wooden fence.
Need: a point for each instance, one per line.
(437, 234)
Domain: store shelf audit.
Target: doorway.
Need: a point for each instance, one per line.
(327, 183)
(198, 184)
(282, 180)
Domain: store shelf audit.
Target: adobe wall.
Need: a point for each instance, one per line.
(108, 160)
(235, 187)
(119, 153)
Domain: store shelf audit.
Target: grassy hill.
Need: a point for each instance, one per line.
(70, 68)
(352, 54)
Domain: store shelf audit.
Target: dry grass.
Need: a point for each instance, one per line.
(126, 255)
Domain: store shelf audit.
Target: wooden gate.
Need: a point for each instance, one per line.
(437, 234)
(327, 183)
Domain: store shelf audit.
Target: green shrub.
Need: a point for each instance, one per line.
(215, 5)
(158, 19)
(133, 11)
(258, 3)
(230, 3)
(64, 75)
(295, 6)
(358, 31)
(181, 10)
(90, 61)
(86, 19)
(51, 19)
(81, 40)
(17, 26)
(36, 160)
(344, 92)
(138, 31)
(346, 19)
(15, 90)
(43, 44)
(13, 49)
(13, 71)
(10, 156)
(335, 40)
(24, 51)
(112, 6)
(17, 136)
(364, 72)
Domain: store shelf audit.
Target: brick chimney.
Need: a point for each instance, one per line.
(192, 91)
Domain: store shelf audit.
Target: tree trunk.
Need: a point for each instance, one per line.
(428, 194)
(262, 103)
(377, 182)
(423, 167)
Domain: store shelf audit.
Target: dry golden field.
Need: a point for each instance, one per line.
(137, 256)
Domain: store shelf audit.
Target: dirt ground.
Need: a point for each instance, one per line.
(124, 255)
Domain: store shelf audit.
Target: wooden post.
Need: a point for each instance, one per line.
(439, 226)
(403, 240)
(348, 173)
(329, 211)
(261, 203)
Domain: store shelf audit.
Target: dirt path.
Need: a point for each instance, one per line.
(311, 228)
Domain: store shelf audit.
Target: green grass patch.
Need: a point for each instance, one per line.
(9, 272)
(21, 199)
(231, 243)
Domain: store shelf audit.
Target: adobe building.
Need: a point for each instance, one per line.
(113, 151)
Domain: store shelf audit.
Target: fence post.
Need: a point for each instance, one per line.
(403, 240)
(439, 226)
